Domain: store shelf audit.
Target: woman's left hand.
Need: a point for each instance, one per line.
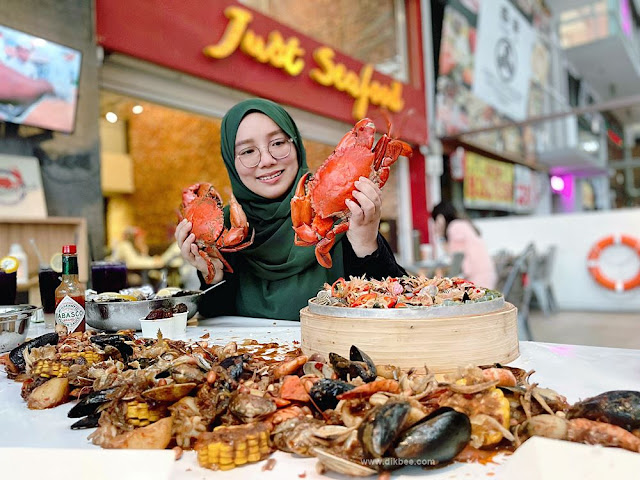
(365, 217)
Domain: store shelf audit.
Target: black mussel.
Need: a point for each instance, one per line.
(90, 421)
(346, 369)
(617, 407)
(180, 308)
(436, 439)
(324, 392)
(89, 404)
(17, 354)
(367, 372)
(235, 365)
(116, 341)
(381, 427)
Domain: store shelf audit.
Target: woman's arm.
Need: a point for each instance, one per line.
(380, 264)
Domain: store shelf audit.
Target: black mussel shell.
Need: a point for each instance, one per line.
(617, 407)
(368, 373)
(381, 427)
(116, 341)
(235, 365)
(324, 392)
(17, 354)
(89, 404)
(346, 369)
(438, 438)
(90, 421)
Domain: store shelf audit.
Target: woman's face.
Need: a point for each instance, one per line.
(271, 178)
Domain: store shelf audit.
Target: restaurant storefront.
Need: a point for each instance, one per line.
(354, 60)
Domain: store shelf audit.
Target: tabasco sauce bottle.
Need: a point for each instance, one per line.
(70, 293)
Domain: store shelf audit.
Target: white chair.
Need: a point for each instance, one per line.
(541, 282)
(517, 288)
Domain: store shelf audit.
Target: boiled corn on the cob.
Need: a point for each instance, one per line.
(141, 414)
(48, 367)
(229, 446)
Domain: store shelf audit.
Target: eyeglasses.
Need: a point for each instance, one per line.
(279, 148)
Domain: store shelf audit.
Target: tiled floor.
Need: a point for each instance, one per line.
(621, 330)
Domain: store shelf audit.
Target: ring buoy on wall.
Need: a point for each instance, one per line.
(593, 262)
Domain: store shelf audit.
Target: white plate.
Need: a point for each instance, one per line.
(63, 464)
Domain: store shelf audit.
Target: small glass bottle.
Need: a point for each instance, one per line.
(70, 294)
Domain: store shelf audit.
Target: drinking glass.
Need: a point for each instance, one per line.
(49, 280)
(108, 276)
(8, 287)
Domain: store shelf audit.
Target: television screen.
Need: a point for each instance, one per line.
(38, 81)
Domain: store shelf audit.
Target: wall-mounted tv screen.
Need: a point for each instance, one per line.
(38, 81)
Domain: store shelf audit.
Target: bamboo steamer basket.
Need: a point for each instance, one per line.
(442, 338)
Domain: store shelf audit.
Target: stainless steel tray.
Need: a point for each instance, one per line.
(440, 311)
(114, 316)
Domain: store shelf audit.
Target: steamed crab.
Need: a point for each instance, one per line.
(318, 209)
(202, 206)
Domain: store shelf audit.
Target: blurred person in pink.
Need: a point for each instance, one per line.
(461, 235)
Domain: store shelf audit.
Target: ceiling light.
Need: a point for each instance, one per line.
(557, 184)
(137, 109)
(111, 117)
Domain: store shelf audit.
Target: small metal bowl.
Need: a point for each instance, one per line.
(114, 316)
(14, 323)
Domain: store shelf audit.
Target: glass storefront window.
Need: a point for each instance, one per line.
(372, 31)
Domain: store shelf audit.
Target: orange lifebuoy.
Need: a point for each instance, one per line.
(594, 267)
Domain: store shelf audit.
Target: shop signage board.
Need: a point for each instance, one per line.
(503, 58)
(21, 190)
(233, 45)
(525, 191)
(488, 184)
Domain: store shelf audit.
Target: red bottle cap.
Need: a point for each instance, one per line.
(69, 249)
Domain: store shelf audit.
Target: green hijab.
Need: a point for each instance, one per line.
(277, 278)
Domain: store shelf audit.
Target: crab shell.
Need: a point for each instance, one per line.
(203, 207)
(334, 181)
(318, 210)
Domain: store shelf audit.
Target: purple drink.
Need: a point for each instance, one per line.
(108, 276)
(8, 287)
(49, 280)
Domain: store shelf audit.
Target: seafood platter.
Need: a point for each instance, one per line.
(113, 311)
(445, 323)
(236, 404)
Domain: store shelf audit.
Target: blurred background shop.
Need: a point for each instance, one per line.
(524, 113)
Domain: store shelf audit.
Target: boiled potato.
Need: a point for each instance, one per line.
(50, 394)
(154, 436)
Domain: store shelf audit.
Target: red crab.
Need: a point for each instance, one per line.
(202, 206)
(318, 209)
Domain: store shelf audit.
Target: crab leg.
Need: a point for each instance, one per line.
(326, 244)
(302, 215)
(386, 153)
(239, 226)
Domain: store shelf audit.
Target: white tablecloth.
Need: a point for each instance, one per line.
(574, 371)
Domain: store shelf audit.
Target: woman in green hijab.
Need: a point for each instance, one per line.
(273, 278)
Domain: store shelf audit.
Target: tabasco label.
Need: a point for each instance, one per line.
(69, 313)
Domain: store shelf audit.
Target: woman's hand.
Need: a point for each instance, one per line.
(365, 217)
(189, 251)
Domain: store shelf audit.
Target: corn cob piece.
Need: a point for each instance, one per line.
(48, 367)
(90, 356)
(230, 446)
(141, 414)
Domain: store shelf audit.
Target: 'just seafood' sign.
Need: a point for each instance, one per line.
(238, 47)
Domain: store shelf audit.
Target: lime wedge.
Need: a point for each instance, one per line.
(56, 262)
(9, 264)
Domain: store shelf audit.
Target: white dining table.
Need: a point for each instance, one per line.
(575, 371)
